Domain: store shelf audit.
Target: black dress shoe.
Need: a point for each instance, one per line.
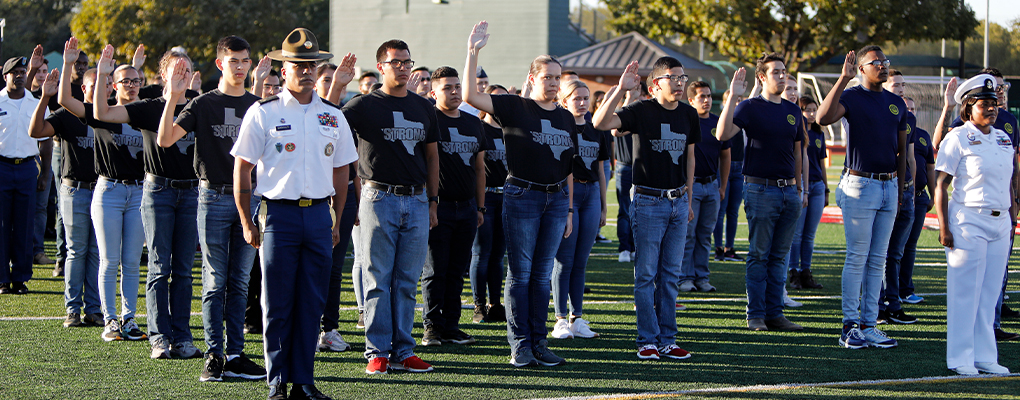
(5, 288)
(1009, 313)
(307, 392)
(278, 392)
(19, 288)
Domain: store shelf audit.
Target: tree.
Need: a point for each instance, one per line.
(32, 22)
(806, 32)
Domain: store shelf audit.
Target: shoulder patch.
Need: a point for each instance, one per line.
(269, 99)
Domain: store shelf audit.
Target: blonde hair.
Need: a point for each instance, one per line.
(569, 88)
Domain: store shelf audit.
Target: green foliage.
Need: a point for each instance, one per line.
(1003, 47)
(32, 22)
(806, 32)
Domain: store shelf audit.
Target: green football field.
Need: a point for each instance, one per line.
(39, 359)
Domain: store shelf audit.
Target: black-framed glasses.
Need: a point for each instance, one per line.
(396, 64)
(880, 63)
(674, 78)
(130, 82)
(1003, 87)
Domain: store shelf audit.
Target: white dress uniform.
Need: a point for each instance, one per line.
(981, 166)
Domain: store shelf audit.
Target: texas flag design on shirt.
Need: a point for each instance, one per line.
(464, 146)
(674, 143)
(409, 133)
(558, 140)
(587, 150)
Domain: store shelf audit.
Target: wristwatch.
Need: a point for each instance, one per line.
(481, 210)
(434, 199)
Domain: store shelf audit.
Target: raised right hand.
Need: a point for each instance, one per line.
(850, 65)
(105, 64)
(262, 70)
(738, 85)
(71, 51)
(630, 78)
(950, 95)
(479, 36)
(179, 79)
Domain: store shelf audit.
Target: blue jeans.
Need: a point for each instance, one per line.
(624, 177)
(42, 200)
(803, 245)
(61, 245)
(227, 261)
(17, 202)
(81, 267)
(331, 315)
(772, 214)
(394, 243)
(120, 236)
(660, 227)
(449, 257)
(698, 243)
(572, 256)
(487, 253)
(897, 243)
(534, 223)
(357, 267)
(906, 283)
(169, 217)
(869, 212)
(729, 207)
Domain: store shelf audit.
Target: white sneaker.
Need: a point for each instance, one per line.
(966, 370)
(787, 301)
(625, 256)
(332, 341)
(562, 330)
(581, 329)
(991, 368)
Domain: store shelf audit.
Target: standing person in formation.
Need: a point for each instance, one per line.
(711, 174)
(729, 205)
(460, 213)
(869, 190)
(975, 159)
(397, 134)
(536, 208)
(589, 215)
(215, 118)
(118, 195)
(803, 247)
(772, 187)
(299, 212)
(665, 131)
(169, 209)
(490, 243)
(924, 155)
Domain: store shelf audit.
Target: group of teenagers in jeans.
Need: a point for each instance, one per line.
(527, 172)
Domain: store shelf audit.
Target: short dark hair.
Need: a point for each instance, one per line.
(444, 72)
(367, 74)
(322, 68)
(865, 50)
(395, 44)
(90, 75)
(644, 86)
(991, 71)
(662, 67)
(421, 68)
(569, 72)
(493, 88)
(45, 61)
(232, 43)
(895, 72)
(761, 65)
(274, 72)
(692, 89)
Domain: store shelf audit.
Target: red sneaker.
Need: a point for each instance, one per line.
(377, 365)
(672, 351)
(412, 364)
(648, 352)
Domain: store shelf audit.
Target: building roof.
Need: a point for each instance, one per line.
(612, 56)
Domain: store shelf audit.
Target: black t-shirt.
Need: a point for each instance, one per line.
(155, 91)
(771, 131)
(706, 153)
(174, 162)
(592, 147)
(495, 156)
(215, 118)
(392, 133)
(623, 150)
(118, 148)
(538, 144)
(815, 152)
(460, 140)
(53, 105)
(660, 138)
(77, 152)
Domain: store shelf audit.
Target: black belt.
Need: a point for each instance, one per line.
(399, 190)
(78, 184)
(707, 179)
(302, 202)
(770, 182)
(554, 188)
(16, 161)
(173, 183)
(496, 190)
(221, 188)
(671, 194)
(985, 211)
(884, 176)
(121, 181)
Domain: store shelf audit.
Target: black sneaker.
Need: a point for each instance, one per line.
(5, 288)
(901, 317)
(302, 392)
(1001, 335)
(213, 371)
(132, 331)
(457, 336)
(243, 367)
(731, 255)
(602, 239)
(883, 317)
(431, 337)
(94, 319)
(73, 320)
(1009, 312)
(720, 254)
(19, 288)
(495, 313)
(479, 314)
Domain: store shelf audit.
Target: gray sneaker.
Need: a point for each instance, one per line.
(545, 356)
(185, 350)
(523, 358)
(687, 286)
(160, 349)
(704, 286)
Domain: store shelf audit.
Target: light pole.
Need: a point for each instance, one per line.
(988, 6)
(3, 24)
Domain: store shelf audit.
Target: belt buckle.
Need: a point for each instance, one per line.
(672, 194)
(995, 213)
(304, 202)
(781, 183)
(19, 161)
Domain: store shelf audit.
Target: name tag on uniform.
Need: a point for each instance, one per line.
(283, 127)
(2, 113)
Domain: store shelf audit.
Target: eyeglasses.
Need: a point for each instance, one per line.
(130, 82)
(880, 63)
(674, 78)
(1003, 87)
(987, 103)
(396, 64)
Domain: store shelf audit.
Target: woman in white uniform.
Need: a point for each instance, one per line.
(974, 225)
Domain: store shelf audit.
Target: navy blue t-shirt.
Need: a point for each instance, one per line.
(660, 138)
(924, 154)
(1005, 122)
(771, 131)
(737, 146)
(875, 120)
(592, 147)
(815, 153)
(706, 153)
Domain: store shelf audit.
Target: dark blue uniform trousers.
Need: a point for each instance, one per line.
(296, 256)
(17, 218)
